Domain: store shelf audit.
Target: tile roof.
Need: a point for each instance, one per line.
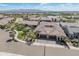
(50, 28)
(4, 21)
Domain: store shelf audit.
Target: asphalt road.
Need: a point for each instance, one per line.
(61, 52)
(24, 49)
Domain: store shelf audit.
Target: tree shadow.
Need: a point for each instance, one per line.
(10, 40)
(62, 42)
(29, 42)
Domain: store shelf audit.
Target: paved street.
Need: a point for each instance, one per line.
(61, 52)
(23, 49)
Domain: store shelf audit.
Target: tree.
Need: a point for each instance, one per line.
(31, 36)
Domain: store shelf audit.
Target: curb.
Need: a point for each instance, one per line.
(48, 45)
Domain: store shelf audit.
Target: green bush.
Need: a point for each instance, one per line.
(2, 26)
(31, 35)
(26, 29)
(19, 27)
(21, 35)
(67, 40)
(75, 43)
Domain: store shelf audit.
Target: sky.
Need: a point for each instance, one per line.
(41, 6)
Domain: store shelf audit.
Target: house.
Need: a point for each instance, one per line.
(75, 17)
(50, 30)
(18, 19)
(4, 21)
(71, 29)
(41, 18)
(45, 18)
(72, 17)
(29, 23)
(54, 18)
(34, 18)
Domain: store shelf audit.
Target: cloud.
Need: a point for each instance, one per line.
(61, 7)
(3, 5)
(69, 7)
(43, 4)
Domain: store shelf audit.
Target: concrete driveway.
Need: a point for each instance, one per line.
(18, 47)
(24, 49)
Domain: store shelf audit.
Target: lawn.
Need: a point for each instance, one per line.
(21, 35)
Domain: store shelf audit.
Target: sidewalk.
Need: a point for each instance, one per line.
(54, 45)
(48, 45)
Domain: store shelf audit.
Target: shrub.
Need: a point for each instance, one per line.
(31, 35)
(21, 35)
(19, 27)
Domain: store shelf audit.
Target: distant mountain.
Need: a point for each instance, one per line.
(14, 11)
(63, 11)
(70, 11)
(23, 11)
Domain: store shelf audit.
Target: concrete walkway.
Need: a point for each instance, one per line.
(55, 46)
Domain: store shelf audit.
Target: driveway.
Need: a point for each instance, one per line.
(18, 47)
(24, 49)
